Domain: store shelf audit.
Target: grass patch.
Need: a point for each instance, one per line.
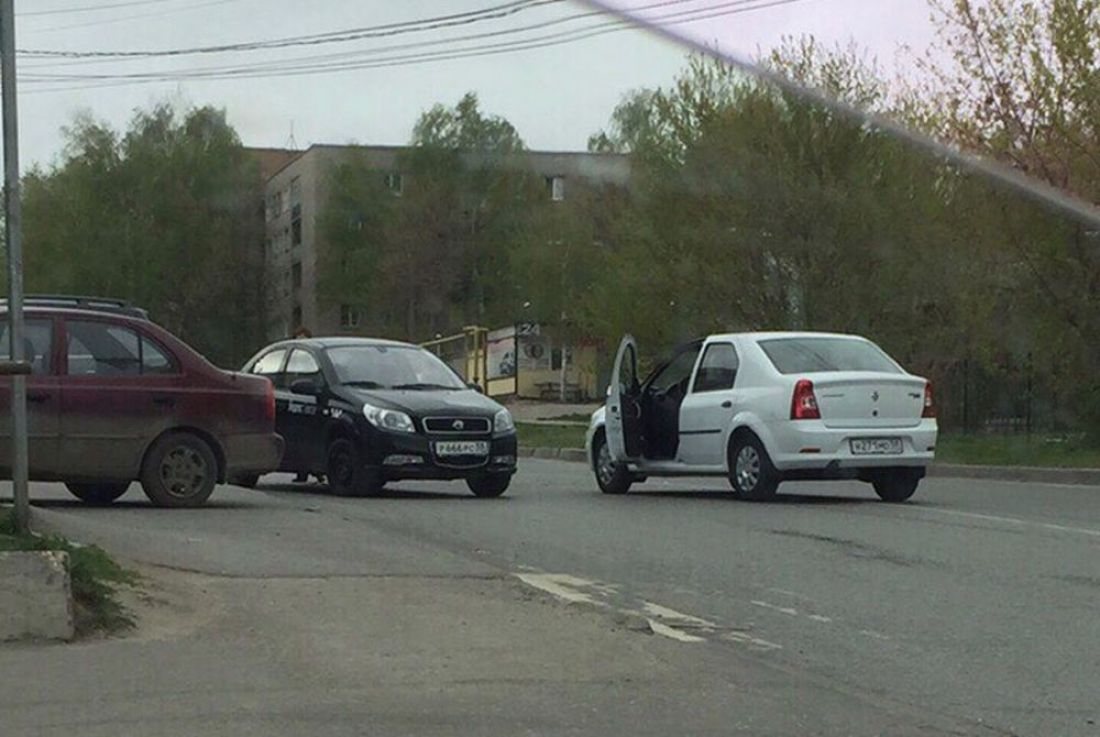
(94, 576)
(571, 417)
(977, 450)
(1017, 450)
(550, 436)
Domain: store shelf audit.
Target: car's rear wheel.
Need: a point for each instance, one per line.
(896, 486)
(751, 473)
(180, 470)
(611, 477)
(346, 473)
(98, 494)
(489, 485)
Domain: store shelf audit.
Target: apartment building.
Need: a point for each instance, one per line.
(294, 198)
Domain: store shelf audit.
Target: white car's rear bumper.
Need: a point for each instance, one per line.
(809, 445)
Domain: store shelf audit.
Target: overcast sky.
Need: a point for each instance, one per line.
(556, 95)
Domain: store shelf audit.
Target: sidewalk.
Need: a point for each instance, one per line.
(529, 410)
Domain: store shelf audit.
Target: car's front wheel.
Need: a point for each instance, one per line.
(751, 473)
(611, 477)
(98, 494)
(346, 473)
(180, 470)
(896, 486)
(489, 485)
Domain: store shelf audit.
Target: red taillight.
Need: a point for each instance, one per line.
(803, 401)
(929, 405)
(269, 403)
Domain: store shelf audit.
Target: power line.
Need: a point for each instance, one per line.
(124, 18)
(90, 8)
(425, 24)
(275, 70)
(411, 45)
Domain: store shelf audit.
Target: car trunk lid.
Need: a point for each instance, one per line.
(868, 399)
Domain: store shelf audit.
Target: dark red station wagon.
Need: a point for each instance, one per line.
(114, 398)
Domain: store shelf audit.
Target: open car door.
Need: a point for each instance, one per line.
(624, 409)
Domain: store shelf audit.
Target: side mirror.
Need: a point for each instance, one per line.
(476, 387)
(308, 387)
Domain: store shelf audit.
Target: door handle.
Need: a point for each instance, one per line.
(727, 404)
(38, 397)
(164, 401)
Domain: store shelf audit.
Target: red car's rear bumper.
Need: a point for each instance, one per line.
(253, 453)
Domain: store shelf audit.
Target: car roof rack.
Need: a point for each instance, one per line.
(75, 302)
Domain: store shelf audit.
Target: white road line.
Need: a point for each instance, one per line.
(660, 628)
(820, 618)
(560, 585)
(663, 612)
(1015, 521)
(784, 609)
(750, 640)
(875, 635)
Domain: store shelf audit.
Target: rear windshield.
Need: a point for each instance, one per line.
(807, 355)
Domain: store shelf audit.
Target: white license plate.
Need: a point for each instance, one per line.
(462, 448)
(876, 446)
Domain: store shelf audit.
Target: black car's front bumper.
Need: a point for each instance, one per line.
(412, 456)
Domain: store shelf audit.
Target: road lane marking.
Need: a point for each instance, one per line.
(662, 620)
(750, 640)
(1015, 521)
(664, 613)
(784, 609)
(560, 585)
(660, 628)
(820, 618)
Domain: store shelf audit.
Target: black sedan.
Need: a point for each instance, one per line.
(362, 412)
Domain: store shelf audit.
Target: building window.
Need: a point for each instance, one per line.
(296, 232)
(349, 316)
(395, 183)
(296, 317)
(277, 205)
(296, 275)
(556, 185)
(295, 192)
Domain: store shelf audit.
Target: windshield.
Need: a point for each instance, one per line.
(391, 367)
(809, 355)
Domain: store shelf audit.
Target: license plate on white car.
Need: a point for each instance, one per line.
(462, 448)
(876, 446)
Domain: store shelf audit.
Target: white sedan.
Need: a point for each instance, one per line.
(762, 408)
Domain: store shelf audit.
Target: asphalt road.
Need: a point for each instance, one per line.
(972, 609)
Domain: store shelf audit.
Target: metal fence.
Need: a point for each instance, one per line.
(1008, 396)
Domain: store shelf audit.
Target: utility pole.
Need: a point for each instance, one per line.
(17, 366)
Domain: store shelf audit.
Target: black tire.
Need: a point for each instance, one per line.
(248, 481)
(346, 473)
(98, 494)
(611, 477)
(180, 470)
(896, 486)
(489, 485)
(751, 473)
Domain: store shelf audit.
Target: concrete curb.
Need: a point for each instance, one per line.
(35, 596)
(1032, 474)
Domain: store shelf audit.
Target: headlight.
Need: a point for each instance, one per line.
(388, 419)
(502, 423)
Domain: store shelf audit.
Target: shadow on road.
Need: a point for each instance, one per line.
(780, 499)
(403, 494)
(145, 504)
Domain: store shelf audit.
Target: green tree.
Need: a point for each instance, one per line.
(165, 215)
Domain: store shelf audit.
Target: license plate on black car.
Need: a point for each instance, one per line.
(876, 446)
(462, 448)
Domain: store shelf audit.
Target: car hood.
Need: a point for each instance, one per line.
(423, 403)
